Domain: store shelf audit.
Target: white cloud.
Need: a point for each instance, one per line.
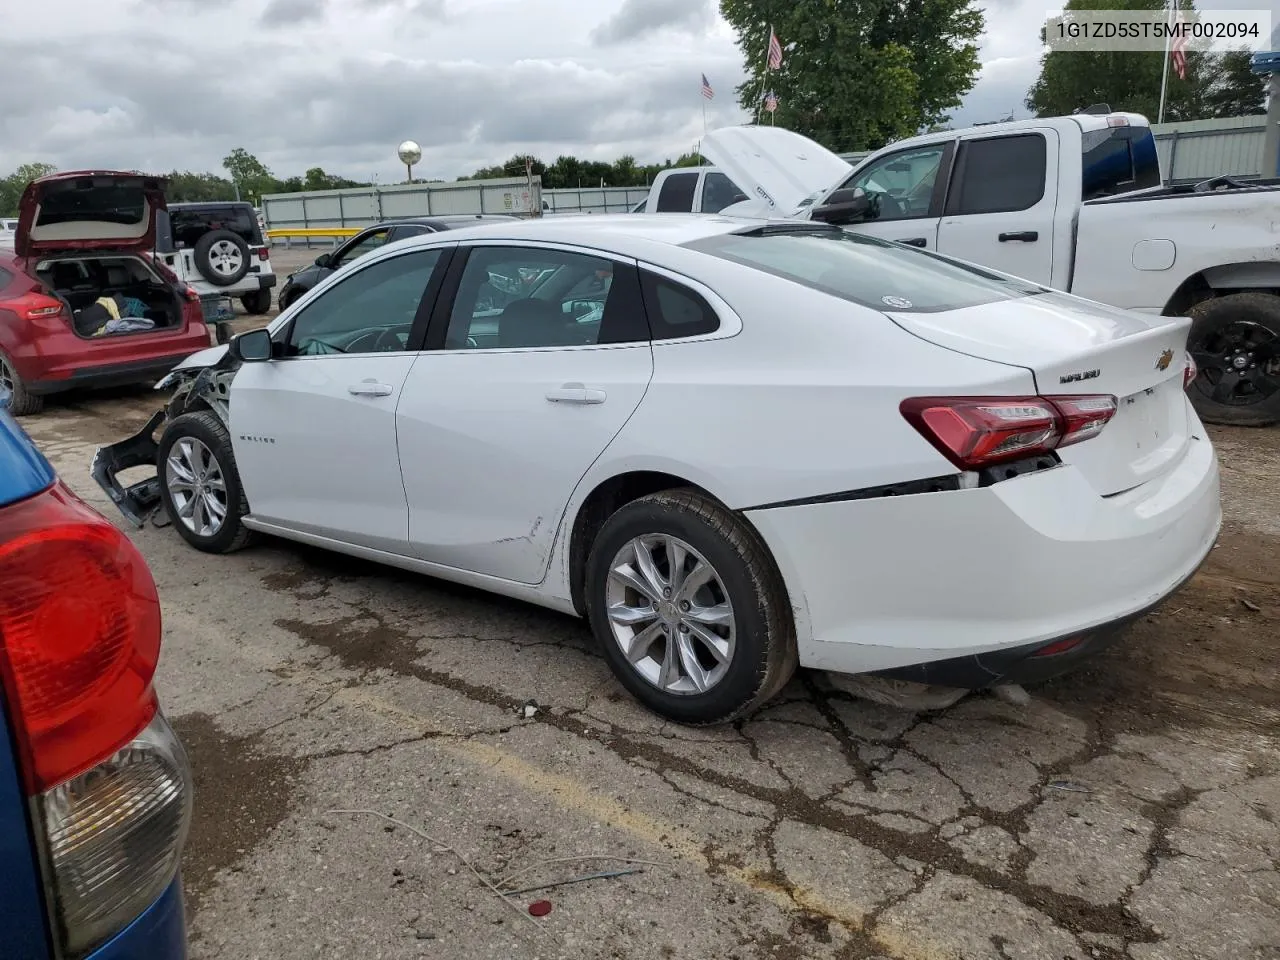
(159, 84)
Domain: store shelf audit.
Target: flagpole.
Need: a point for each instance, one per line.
(1164, 75)
(764, 77)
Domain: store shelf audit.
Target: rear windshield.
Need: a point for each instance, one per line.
(188, 224)
(866, 270)
(1119, 160)
(102, 200)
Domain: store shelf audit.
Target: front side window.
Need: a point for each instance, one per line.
(370, 241)
(902, 183)
(371, 311)
(999, 175)
(514, 297)
(867, 270)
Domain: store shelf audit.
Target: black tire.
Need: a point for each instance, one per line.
(764, 655)
(1235, 341)
(257, 303)
(21, 403)
(204, 426)
(289, 297)
(215, 260)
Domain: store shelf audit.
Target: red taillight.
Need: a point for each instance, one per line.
(35, 306)
(264, 253)
(976, 432)
(79, 635)
(189, 294)
(1059, 646)
(1189, 372)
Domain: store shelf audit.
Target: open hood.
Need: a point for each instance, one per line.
(89, 210)
(777, 167)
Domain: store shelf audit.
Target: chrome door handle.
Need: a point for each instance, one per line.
(575, 393)
(370, 388)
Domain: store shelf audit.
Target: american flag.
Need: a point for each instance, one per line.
(1179, 49)
(775, 51)
(707, 92)
(770, 102)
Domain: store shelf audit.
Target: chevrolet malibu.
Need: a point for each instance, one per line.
(732, 446)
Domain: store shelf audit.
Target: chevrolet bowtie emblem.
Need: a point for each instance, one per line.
(1166, 358)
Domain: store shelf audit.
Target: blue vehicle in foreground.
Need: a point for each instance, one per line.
(95, 791)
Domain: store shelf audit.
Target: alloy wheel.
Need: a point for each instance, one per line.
(225, 257)
(1239, 365)
(670, 614)
(197, 485)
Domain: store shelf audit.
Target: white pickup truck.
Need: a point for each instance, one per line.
(1074, 203)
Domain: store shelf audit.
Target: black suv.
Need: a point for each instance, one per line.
(218, 250)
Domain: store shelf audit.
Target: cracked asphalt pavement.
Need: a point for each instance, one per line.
(1130, 810)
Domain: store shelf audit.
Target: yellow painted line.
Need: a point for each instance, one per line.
(571, 795)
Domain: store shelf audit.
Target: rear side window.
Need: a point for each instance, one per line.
(676, 195)
(999, 175)
(867, 270)
(674, 310)
(189, 224)
(1118, 160)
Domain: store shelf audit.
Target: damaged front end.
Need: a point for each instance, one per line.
(201, 382)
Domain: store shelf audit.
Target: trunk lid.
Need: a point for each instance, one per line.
(773, 165)
(1076, 347)
(89, 210)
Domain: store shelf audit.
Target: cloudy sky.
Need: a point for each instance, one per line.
(164, 84)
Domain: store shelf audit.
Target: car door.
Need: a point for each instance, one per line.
(907, 188)
(1001, 204)
(314, 430)
(532, 368)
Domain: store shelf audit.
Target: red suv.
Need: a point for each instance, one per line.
(82, 300)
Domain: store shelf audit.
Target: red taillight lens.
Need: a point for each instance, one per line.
(79, 635)
(264, 253)
(976, 432)
(190, 295)
(1190, 372)
(35, 306)
(1083, 417)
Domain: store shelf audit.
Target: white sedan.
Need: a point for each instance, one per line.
(733, 446)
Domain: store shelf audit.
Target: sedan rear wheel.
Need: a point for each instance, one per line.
(21, 403)
(689, 608)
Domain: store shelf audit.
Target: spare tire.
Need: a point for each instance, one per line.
(222, 257)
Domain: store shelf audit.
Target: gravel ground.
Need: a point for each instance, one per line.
(1128, 811)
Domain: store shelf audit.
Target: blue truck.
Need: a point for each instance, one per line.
(95, 789)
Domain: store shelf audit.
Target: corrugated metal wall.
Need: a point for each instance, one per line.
(362, 206)
(592, 200)
(1199, 149)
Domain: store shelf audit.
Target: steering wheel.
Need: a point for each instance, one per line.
(890, 207)
(472, 343)
(388, 341)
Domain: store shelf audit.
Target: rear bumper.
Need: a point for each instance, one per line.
(967, 584)
(158, 934)
(249, 283)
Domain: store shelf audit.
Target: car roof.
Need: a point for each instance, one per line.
(447, 221)
(623, 233)
(187, 205)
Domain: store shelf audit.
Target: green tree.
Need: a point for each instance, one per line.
(858, 74)
(12, 186)
(1127, 80)
(249, 174)
(1232, 89)
(187, 187)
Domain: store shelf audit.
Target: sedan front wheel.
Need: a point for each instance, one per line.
(689, 609)
(199, 484)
